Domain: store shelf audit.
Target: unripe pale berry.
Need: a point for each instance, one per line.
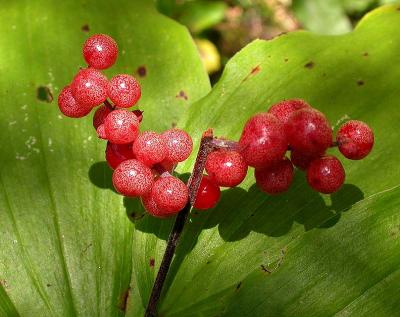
(99, 116)
(355, 139)
(124, 91)
(178, 144)
(89, 87)
(149, 148)
(118, 153)
(326, 174)
(263, 140)
(100, 51)
(170, 194)
(121, 126)
(282, 110)
(226, 168)
(132, 178)
(208, 194)
(275, 178)
(308, 131)
(68, 105)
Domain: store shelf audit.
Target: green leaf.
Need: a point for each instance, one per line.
(299, 253)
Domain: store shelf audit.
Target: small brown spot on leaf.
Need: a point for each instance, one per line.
(365, 54)
(4, 283)
(43, 93)
(286, 60)
(208, 262)
(360, 82)
(255, 70)
(173, 124)
(323, 74)
(238, 286)
(86, 248)
(141, 71)
(264, 268)
(309, 65)
(182, 95)
(85, 28)
(48, 285)
(123, 300)
(398, 9)
(152, 262)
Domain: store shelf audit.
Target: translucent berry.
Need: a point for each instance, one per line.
(99, 116)
(149, 148)
(100, 51)
(89, 87)
(263, 140)
(326, 174)
(208, 194)
(124, 91)
(301, 160)
(151, 207)
(308, 131)
(179, 145)
(275, 178)
(121, 126)
(132, 178)
(170, 194)
(68, 105)
(282, 110)
(355, 139)
(226, 168)
(118, 153)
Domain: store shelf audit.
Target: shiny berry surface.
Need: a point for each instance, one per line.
(326, 174)
(89, 87)
(275, 178)
(124, 91)
(170, 194)
(355, 139)
(178, 144)
(69, 107)
(149, 148)
(151, 207)
(99, 116)
(263, 140)
(121, 126)
(308, 131)
(208, 194)
(100, 51)
(132, 178)
(282, 110)
(226, 168)
(118, 153)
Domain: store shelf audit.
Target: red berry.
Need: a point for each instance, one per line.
(301, 160)
(152, 208)
(118, 153)
(100, 132)
(263, 140)
(168, 165)
(208, 194)
(179, 145)
(275, 178)
(100, 51)
(138, 114)
(355, 139)
(124, 91)
(121, 126)
(282, 110)
(308, 131)
(99, 116)
(226, 168)
(132, 178)
(149, 148)
(89, 87)
(170, 194)
(326, 174)
(68, 105)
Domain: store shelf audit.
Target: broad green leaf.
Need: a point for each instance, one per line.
(65, 238)
(299, 253)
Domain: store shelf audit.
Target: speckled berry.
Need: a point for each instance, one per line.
(151, 207)
(355, 139)
(118, 153)
(226, 168)
(121, 126)
(99, 116)
(170, 194)
(282, 110)
(326, 174)
(132, 178)
(149, 148)
(100, 132)
(124, 91)
(100, 51)
(208, 194)
(68, 105)
(178, 144)
(275, 178)
(263, 140)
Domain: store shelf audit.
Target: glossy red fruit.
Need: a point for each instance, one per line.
(99, 116)
(355, 139)
(132, 178)
(282, 110)
(208, 194)
(226, 168)
(326, 174)
(100, 51)
(170, 194)
(151, 207)
(178, 144)
(275, 178)
(263, 140)
(124, 91)
(118, 153)
(100, 132)
(68, 105)
(89, 87)
(121, 126)
(301, 160)
(149, 148)
(308, 131)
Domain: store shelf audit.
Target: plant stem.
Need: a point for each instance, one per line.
(206, 146)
